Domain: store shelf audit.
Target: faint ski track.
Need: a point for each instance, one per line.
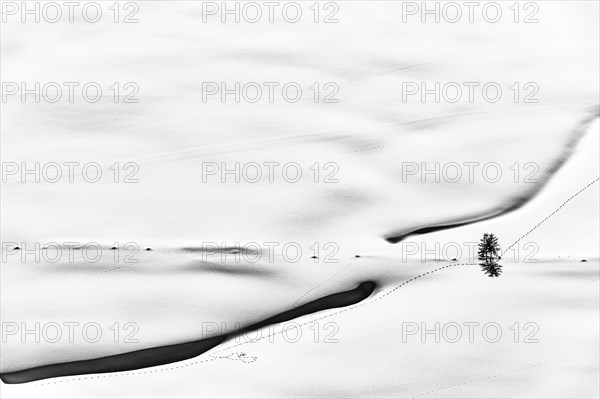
(390, 71)
(522, 369)
(255, 340)
(321, 284)
(503, 252)
(358, 305)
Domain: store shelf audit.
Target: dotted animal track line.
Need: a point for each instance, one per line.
(126, 374)
(108, 375)
(346, 309)
(358, 305)
(551, 214)
(419, 276)
(343, 310)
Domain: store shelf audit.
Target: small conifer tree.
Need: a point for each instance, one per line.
(489, 255)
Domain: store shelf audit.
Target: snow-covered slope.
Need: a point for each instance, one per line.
(370, 137)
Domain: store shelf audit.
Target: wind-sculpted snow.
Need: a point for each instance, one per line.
(521, 198)
(174, 353)
(197, 225)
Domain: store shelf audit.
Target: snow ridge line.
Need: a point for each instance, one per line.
(121, 374)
